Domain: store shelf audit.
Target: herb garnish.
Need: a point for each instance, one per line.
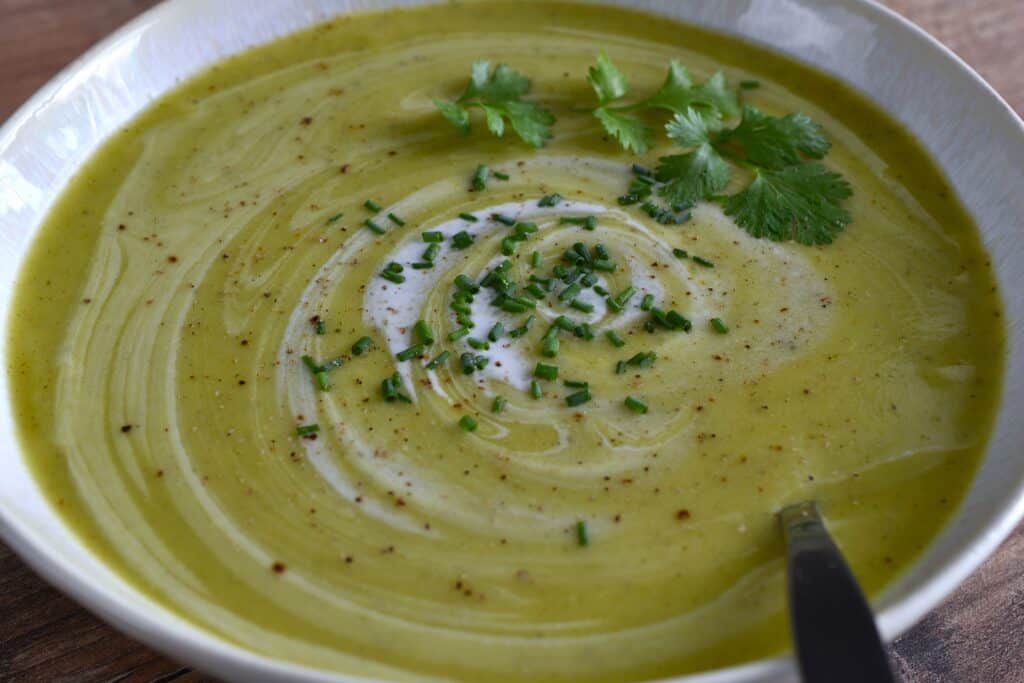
(498, 93)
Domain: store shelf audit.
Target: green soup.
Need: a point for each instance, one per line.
(158, 334)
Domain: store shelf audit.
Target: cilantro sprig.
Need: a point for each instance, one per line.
(711, 100)
(498, 93)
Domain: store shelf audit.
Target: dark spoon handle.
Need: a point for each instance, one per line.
(833, 627)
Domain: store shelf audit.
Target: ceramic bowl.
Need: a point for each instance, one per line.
(974, 135)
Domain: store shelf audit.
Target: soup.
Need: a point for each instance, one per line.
(345, 387)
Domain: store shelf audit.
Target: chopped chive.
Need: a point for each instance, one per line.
(422, 265)
(411, 352)
(581, 306)
(396, 220)
(499, 404)
(371, 205)
(549, 200)
(432, 236)
(647, 302)
(570, 292)
(679, 253)
(479, 183)
(423, 332)
(535, 259)
(523, 329)
(588, 280)
(563, 323)
(462, 240)
(320, 327)
(750, 85)
(397, 278)
(678, 322)
(643, 359)
(468, 423)
(605, 265)
(614, 338)
(431, 252)
(544, 282)
(601, 251)
(503, 219)
(582, 538)
(628, 199)
(587, 222)
(598, 289)
(535, 390)
(523, 301)
(500, 176)
(464, 283)
(322, 380)
(526, 228)
(335, 218)
(702, 262)
(478, 344)
(535, 291)
(620, 367)
(546, 371)
(508, 246)
(576, 384)
(636, 405)
(438, 360)
(480, 362)
(362, 345)
(468, 217)
(311, 364)
(512, 306)
(467, 361)
(641, 170)
(336, 362)
(306, 430)
(578, 398)
(394, 267)
(390, 388)
(374, 227)
(496, 332)
(455, 335)
(719, 326)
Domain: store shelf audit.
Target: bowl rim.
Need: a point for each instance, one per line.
(177, 637)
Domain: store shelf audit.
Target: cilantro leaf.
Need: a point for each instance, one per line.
(715, 95)
(692, 176)
(632, 133)
(607, 81)
(712, 99)
(497, 92)
(689, 128)
(798, 203)
(775, 142)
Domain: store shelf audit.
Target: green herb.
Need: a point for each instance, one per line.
(438, 360)
(503, 219)
(336, 362)
(463, 282)
(570, 292)
(396, 220)
(422, 265)
(499, 404)
(702, 262)
(322, 380)
(455, 335)
(411, 352)
(535, 390)
(576, 384)
(496, 332)
(586, 222)
(711, 98)
(501, 176)
(468, 217)
(750, 85)
(397, 278)
(423, 332)
(392, 389)
(306, 430)
(508, 246)
(479, 183)
(578, 398)
(432, 236)
(478, 344)
(499, 93)
(319, 326)
(335, 218)
(394, 267)
(614, 338)
(549, 346)
(467, 361)
(643, 359)
(680, 253)
(719, 326)
(535, 291)
(582, 538)
(581, 306)
(362, 345)
(647, 302)
(545, 371)
(636, 405)
(311, 364)
(620, 367)
(462, 240)
(468, 423)
(549, 200)
(374, 227)
(372, 205)
(431, 252)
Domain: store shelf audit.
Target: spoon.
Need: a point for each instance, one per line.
(833, 627)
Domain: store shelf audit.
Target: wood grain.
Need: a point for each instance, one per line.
(977, 635)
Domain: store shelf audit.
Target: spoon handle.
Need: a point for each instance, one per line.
(833, 627)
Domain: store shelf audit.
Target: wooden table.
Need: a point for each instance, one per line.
(976, 636)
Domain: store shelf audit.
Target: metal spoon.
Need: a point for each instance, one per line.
(833, 627)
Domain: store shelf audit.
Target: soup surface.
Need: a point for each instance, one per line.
(161, 394)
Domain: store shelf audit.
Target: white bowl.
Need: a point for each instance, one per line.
(974, 135)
